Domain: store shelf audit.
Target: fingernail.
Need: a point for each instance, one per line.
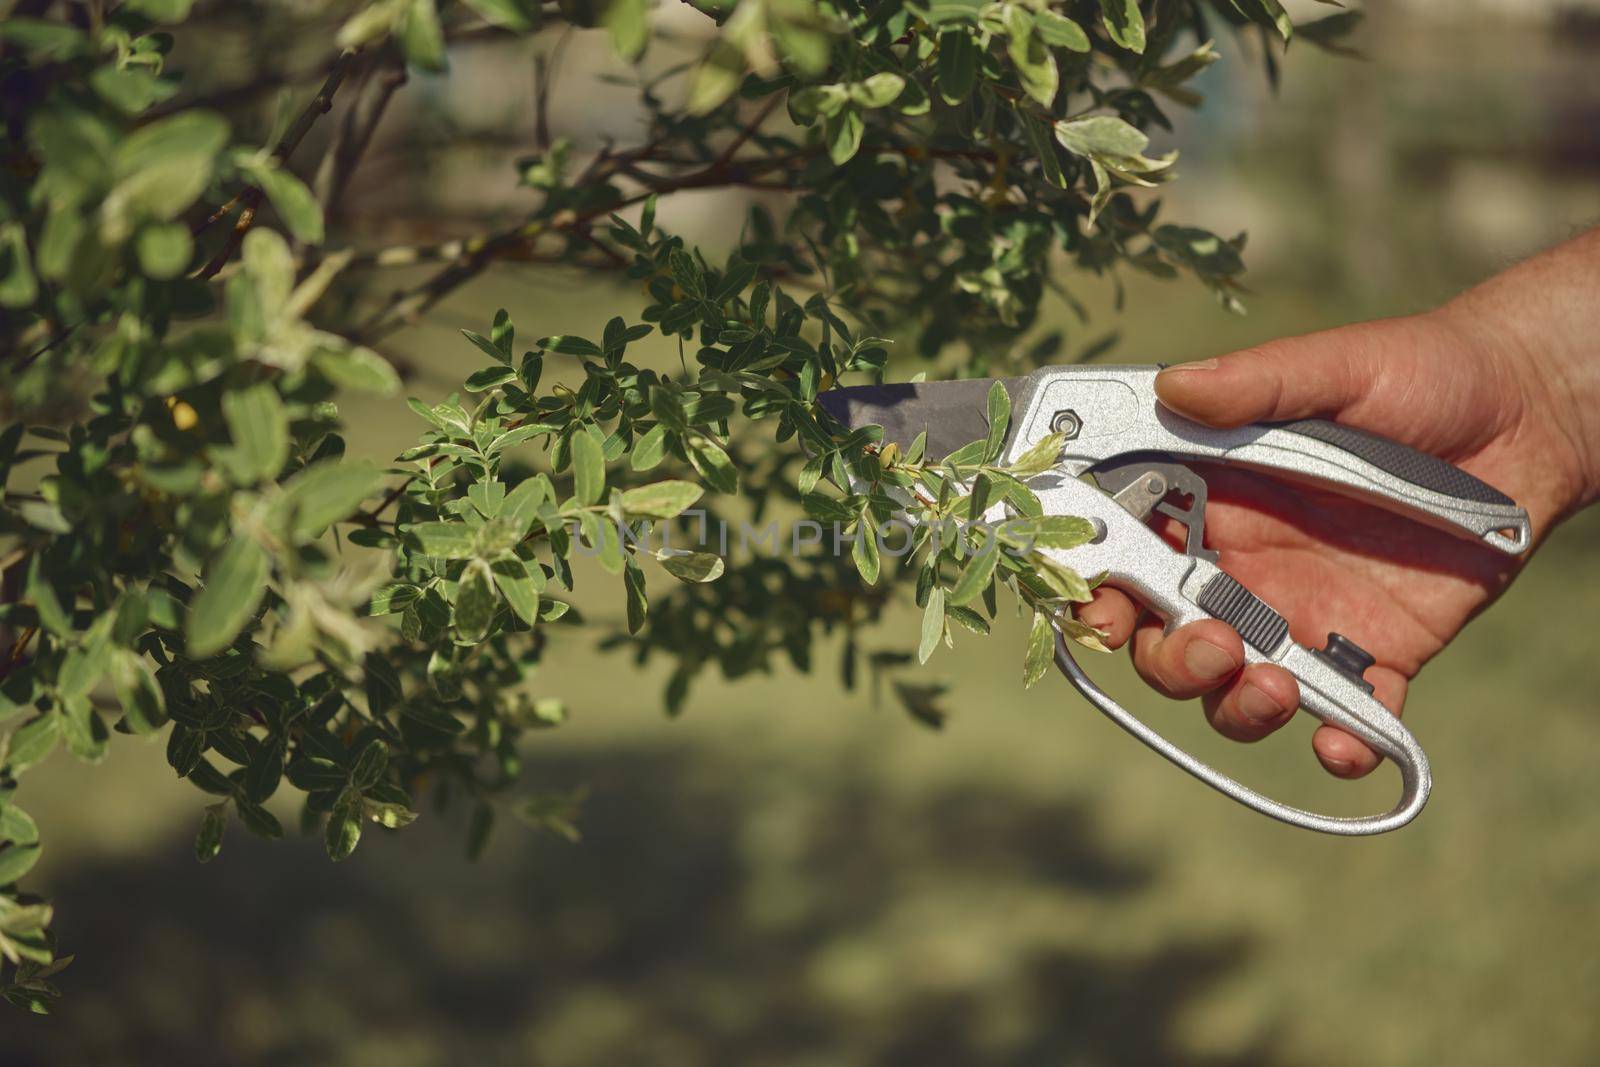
(1206, 660)
(1257, 706)
(1341, 767)
(1199, 364)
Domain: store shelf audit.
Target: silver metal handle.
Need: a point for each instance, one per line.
(1415, 777)
(1183, 589)
(1115, 412)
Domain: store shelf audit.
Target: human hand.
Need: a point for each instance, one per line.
(1453, 383)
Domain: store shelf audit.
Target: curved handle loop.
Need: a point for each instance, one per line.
(1394, 740)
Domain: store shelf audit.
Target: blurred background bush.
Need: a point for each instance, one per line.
(790, 874)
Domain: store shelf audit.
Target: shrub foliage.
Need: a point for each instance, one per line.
(188, 551)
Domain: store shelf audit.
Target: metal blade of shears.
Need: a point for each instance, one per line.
(951, 413)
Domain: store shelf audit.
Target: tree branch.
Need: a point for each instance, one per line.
(250, 199)
(354, 134)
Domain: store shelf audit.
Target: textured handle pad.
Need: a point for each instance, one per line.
(1262, 628)
(1418, 468)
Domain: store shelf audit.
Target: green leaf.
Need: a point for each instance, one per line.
(371, 766)
(18, 286)
(842, 133)
(358, 368)
(568, 345)
(208, 842)
(295, 204)
(1065, 582)
(826, 508)
(974, 579)
(1052, 531)
(421, 38)
(82, 729)
(967, 618)
(487, 497)
(1034, 63)
(1124, 23)
(161, 168)
(638, 605)
(1058, 31)
(588, 468)
(388, 814)
(946, 11)
(142, 700)
(17, 826)
(446, 540)
(712, 463)
(628, 21)
(1041, 456)
(957, 66)
(16, 861)
(999, 412)
(488, 347)
(650, 449)
(523, 501)
(716, 78)
(1103, 136)
(810, 475)
(85, 664)
(864, 551)
(606, 538)
(394, 598)
(1084, 634)
(131, 90)
(513, 437)
(489, 378)
(165, 249)
(514, 578)
(932, 624)
(691, 566)
(343, 831)
(369, 23)
(1268, 13)
(880, 90)
(325, 493)
(258, 820)
(259, 428)
(1041, 648)
(168, 11)
(32, 742)
(476, 601)
(660, 500)
(264, 773)
(510, 14)
(52, 615)
(687, 273)
(235, 582)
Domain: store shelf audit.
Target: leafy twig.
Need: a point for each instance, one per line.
(250, 199)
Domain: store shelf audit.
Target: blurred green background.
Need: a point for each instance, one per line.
(790, 874)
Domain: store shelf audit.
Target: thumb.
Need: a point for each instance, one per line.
(1318, 374)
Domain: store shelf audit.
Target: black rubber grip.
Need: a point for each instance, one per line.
(1418, 468)
(1262, 628)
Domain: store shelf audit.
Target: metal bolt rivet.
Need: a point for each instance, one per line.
(1067, 423)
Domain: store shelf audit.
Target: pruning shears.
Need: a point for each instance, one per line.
(1125, 458)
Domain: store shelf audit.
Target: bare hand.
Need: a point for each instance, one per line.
(1451, 383)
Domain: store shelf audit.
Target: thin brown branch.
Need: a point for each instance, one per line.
(353, 136)
(250, 199)
(750, 129)
(216, 216)
(14, 557)
(477, 254)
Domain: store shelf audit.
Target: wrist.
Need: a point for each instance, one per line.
(1533, 329)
